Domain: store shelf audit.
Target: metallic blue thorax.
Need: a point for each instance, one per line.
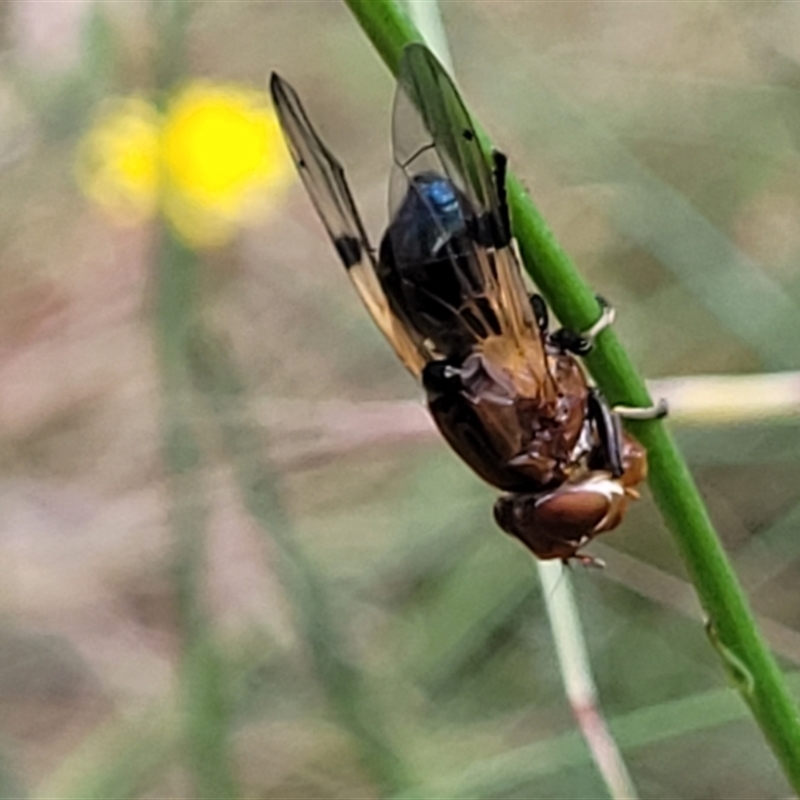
(427, 264)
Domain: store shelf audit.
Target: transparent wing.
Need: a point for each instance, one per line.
(324, 179)
(470, 269)
(431, 124)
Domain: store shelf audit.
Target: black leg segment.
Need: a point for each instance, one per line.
(540, 312)
(581, 344)
(609, 429)
(500, 169)
(571, 342)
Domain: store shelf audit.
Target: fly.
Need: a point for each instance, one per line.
(445, 288)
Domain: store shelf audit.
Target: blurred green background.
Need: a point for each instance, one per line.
(354, 625)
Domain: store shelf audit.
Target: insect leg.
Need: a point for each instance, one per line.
(441, 378)
(609, 429)
(657, 411)
(540, 312)
(499, 173)
(570, 342)
(606, 319)
(582, 343)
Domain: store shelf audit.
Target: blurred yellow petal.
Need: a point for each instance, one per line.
(224, 160)
(117, 162)
(215, 160)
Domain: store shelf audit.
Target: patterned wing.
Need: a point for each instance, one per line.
(324, 179)
(465, 273)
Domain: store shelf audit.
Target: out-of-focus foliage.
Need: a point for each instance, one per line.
(659, 139)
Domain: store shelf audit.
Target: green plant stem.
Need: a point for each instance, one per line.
(643, 729)
(170, 18)
(206, 713)
(204, 704)
(342, 679)
(734, 634)
(204, 707)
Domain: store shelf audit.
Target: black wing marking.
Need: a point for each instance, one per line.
(433, 134)
(324, 179)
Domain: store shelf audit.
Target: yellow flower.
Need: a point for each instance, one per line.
(215, 160)
(221, 148)
(117, 160)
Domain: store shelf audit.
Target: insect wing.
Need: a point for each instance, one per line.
(324, 179)
(430, 115)
(434, 134)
